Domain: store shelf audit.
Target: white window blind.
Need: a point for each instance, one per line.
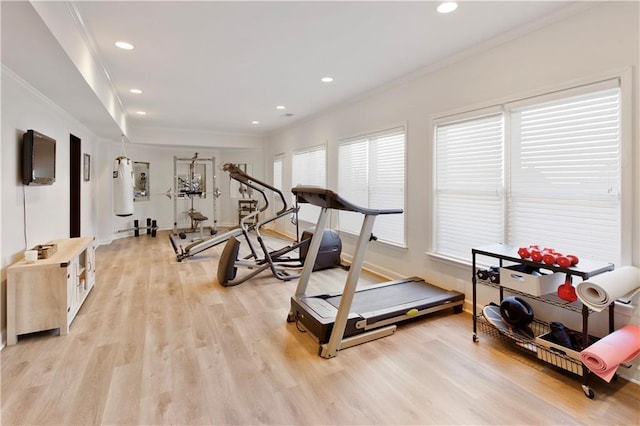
(371, 173)
(551, 175)
(565, 175)
(469, 183)
(353, 178)
(309, 168)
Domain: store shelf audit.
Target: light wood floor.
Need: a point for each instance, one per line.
(160, 342)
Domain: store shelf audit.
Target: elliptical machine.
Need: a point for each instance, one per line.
(283, 263)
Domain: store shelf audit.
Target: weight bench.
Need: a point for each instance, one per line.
(197, 218)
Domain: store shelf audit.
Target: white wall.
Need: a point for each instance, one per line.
(161, 179)
(45, 208)
(594, 42)
(173, 137)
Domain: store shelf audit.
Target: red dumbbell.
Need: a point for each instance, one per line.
(567, 261)
(563, 261)
(550, 257)
(524, 252)
(536, 255)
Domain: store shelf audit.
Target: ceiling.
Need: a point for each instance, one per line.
(217, 66)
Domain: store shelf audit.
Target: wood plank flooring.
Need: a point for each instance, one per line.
(161, 342)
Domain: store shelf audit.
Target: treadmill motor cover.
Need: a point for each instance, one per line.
(329, 251)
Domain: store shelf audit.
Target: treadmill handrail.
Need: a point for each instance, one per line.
(326, 198)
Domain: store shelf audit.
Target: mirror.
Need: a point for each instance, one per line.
(192, 182)
(140, 181)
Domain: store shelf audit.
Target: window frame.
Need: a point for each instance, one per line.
(628, 201)
(276, 202)
(484, 113)
(306, 211)
(368, 136)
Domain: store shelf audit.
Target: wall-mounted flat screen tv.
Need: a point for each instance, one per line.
(38, 159)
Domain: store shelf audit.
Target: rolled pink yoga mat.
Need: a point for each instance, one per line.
(604, 356)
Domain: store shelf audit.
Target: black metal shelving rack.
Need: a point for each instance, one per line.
(585, 269)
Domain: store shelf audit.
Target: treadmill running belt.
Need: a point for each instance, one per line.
(393, 295)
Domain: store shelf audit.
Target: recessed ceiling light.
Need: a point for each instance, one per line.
(326, 79)
(447, 7)
(141, 113)
(255, 122)
(136, 91)
(124, 45)
(280, 107)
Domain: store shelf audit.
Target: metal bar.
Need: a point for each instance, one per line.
(236, 173)
(474, 281)
(611, 316)
(585, 341)
(349, 288)
(358, 339)
(175, 198)
(214, 197)
(312, 253)
(199, 246)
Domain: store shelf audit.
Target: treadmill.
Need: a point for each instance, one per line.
(339, 321)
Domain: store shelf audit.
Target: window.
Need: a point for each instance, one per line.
(546, 170)
(277, 181)
(276, 202)
(469, 202)
(310, 169)
(371, 173)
